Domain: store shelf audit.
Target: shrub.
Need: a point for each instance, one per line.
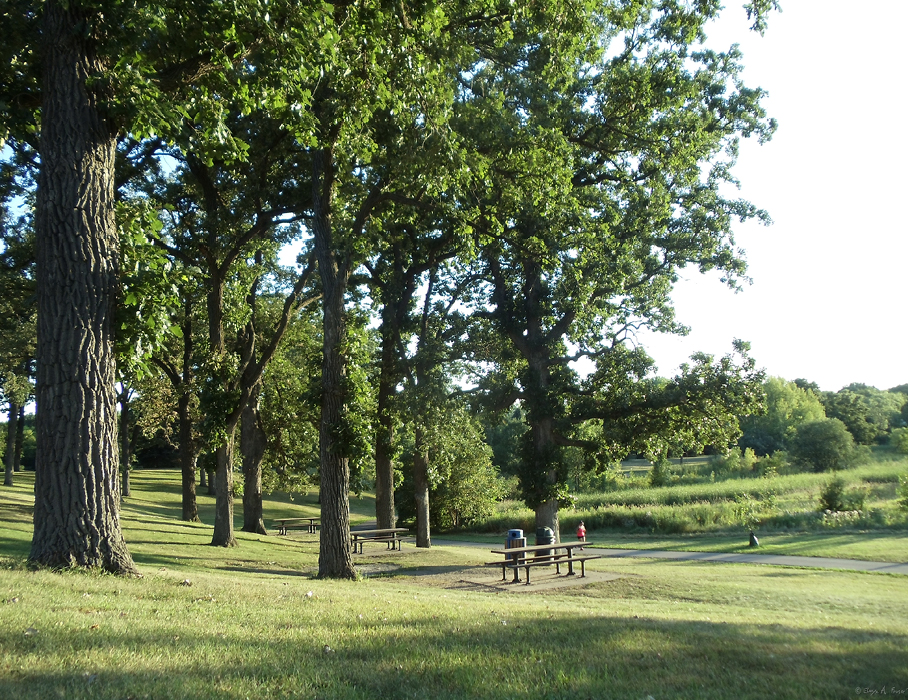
(824, 445)
(836, 499)
(772, 465)
(746, 511)
(899, 440)
(729, 463)
(661, 473)
(903, 492)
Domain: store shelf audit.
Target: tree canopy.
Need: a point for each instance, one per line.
(543, 170)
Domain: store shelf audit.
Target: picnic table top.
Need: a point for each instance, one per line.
(539, 547)
(294, 519)
(385, 531)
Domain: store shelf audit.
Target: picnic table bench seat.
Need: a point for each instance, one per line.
(310, 524)
(526, 565)
(543, 555)
(392, 536)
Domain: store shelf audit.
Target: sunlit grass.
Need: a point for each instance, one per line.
(207, 622)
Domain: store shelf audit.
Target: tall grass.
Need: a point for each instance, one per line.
(778, 503)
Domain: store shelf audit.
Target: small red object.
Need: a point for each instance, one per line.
(581, 532)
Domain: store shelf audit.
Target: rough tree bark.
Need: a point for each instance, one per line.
(519, 318)
(223, 494)
(187, 456)
(77, 521)
(188, 450)
(335, 559)
(252, 446)
(542, 424)
(384, 434)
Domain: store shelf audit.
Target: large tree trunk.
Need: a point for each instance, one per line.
(421, 483)
(10, 456)
(335, 557)
(384, 434)
(543, 437)
(20, 439)
(187, 460)
(223, 476)
(77, 521)
(188, 451)
(223, 493)
(252, 446)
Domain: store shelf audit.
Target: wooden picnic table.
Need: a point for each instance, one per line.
(311, 524)
(391, 535)
(526, 557)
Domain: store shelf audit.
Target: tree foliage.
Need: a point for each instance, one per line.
(867, 412)
(824, 445)
(463, 483)
(788, 405)
(568, 158)
(602, 166)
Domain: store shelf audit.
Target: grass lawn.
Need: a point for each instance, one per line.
(252, 622)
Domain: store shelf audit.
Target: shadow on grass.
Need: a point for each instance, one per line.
(568, 657)
(267, 572)
(15, 548)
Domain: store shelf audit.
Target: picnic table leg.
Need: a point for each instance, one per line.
(528, 575)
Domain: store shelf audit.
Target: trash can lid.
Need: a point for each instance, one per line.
(515, 534)
(545, 532)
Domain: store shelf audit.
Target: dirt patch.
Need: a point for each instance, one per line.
(487, 579)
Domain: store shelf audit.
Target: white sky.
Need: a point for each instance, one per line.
(828, 296)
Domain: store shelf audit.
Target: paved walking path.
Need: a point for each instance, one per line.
(775, 559)
(730, 558)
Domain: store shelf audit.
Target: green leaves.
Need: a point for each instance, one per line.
(149, 291)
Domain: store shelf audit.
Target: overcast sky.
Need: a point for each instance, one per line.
(828, 300)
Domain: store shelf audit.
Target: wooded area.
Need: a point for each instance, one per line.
(489, 199)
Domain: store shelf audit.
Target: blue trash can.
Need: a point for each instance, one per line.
(514, 539)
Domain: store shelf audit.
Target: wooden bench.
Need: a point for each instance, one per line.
(517, 558)
(392, 536)
(561, 559)
(310, 524)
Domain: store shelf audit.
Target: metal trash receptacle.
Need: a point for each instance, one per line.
(515, 538)
(544, 535)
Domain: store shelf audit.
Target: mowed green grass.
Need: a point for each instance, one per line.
(253, 622)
